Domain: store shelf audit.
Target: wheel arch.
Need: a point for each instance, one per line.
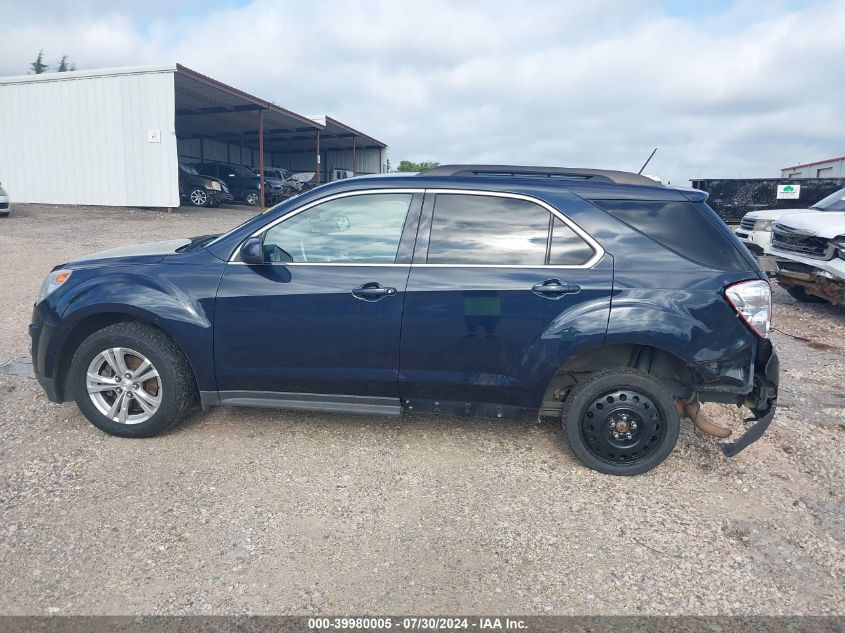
(91, 323)
(662, 364)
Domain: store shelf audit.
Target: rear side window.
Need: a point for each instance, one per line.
(567, 248)
(469, 230)
(492, 230)
(680, 227)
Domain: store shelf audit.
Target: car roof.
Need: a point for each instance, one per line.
(596, 184)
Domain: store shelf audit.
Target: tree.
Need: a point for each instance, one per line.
(407, 165)
(65, 65)
(38, 66)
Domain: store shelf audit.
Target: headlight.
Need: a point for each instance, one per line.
(214, 185)
(52, 282)
(763, 225)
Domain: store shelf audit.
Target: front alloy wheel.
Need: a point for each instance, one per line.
(198, 197)
(131, 380)
(124, 385)
(252, 198)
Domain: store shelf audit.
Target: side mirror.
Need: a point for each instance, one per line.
(252, 251)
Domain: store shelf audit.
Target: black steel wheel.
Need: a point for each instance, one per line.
(621, 421)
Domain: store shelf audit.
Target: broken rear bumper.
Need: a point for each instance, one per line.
(762, 400)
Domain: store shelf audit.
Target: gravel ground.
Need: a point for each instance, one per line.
(259, 511)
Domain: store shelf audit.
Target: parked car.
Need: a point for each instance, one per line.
(275, 186)
(602, 298)
(294, 182)
(755, 228)
(5, 202)
(199, 190)
(243, 184)
(810, 252)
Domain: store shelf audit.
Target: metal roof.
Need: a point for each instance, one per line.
(207, 108)
(817, 162)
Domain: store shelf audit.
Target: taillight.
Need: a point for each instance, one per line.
(752, 300)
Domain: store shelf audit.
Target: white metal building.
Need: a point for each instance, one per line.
(115, 136)
(830, 168)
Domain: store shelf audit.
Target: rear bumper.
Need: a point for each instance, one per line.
(762, 400)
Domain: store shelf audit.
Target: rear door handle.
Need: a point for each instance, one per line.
(554, 289)
(373, 291)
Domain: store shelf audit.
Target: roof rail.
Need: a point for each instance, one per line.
(563, 173)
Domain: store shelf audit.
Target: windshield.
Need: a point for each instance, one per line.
(834, 202)
(189, 170)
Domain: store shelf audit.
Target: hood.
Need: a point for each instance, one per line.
(303, 177)
(150, 253)
(774, 214)
(824, 224)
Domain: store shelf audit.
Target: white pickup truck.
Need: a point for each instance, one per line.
(809, 249)
(755, 228)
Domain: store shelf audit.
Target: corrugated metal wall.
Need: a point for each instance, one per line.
(85, 140)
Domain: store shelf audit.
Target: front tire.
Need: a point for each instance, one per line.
(797, 292)
(131, 380)
(621, 421)
(198, 197)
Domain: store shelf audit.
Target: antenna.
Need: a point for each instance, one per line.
(650, 156)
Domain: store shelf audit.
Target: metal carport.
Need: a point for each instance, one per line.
(218, 123)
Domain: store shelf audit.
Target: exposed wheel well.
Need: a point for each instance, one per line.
(668, 368)
(83, 330)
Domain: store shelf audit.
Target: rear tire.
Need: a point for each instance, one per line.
(797, 292)
(154, 386)
(252, 198)
(621, 421)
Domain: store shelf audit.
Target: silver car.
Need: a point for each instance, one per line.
(5, 203)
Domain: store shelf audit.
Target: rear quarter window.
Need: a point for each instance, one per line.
(681, 227)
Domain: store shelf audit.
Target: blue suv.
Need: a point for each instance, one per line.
(602, 298)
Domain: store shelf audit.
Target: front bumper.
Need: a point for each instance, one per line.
(220, 196)
(45, 338)
(762, 400)
(823, 278)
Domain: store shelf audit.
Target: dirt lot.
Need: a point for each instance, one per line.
(257, 511)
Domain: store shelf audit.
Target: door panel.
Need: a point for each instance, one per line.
(323, 314)
(502, 292)
(495, 340)
(299, 328)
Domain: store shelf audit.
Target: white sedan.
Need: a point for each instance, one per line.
(5, 203)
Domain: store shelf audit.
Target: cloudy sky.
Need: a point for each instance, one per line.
(731, 89)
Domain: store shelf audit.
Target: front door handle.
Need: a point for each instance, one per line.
(372, 291)
(554, 289)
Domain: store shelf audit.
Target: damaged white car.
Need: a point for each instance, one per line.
(809, 249)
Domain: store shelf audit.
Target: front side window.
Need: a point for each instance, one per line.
(363, 229)
(492, 230)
